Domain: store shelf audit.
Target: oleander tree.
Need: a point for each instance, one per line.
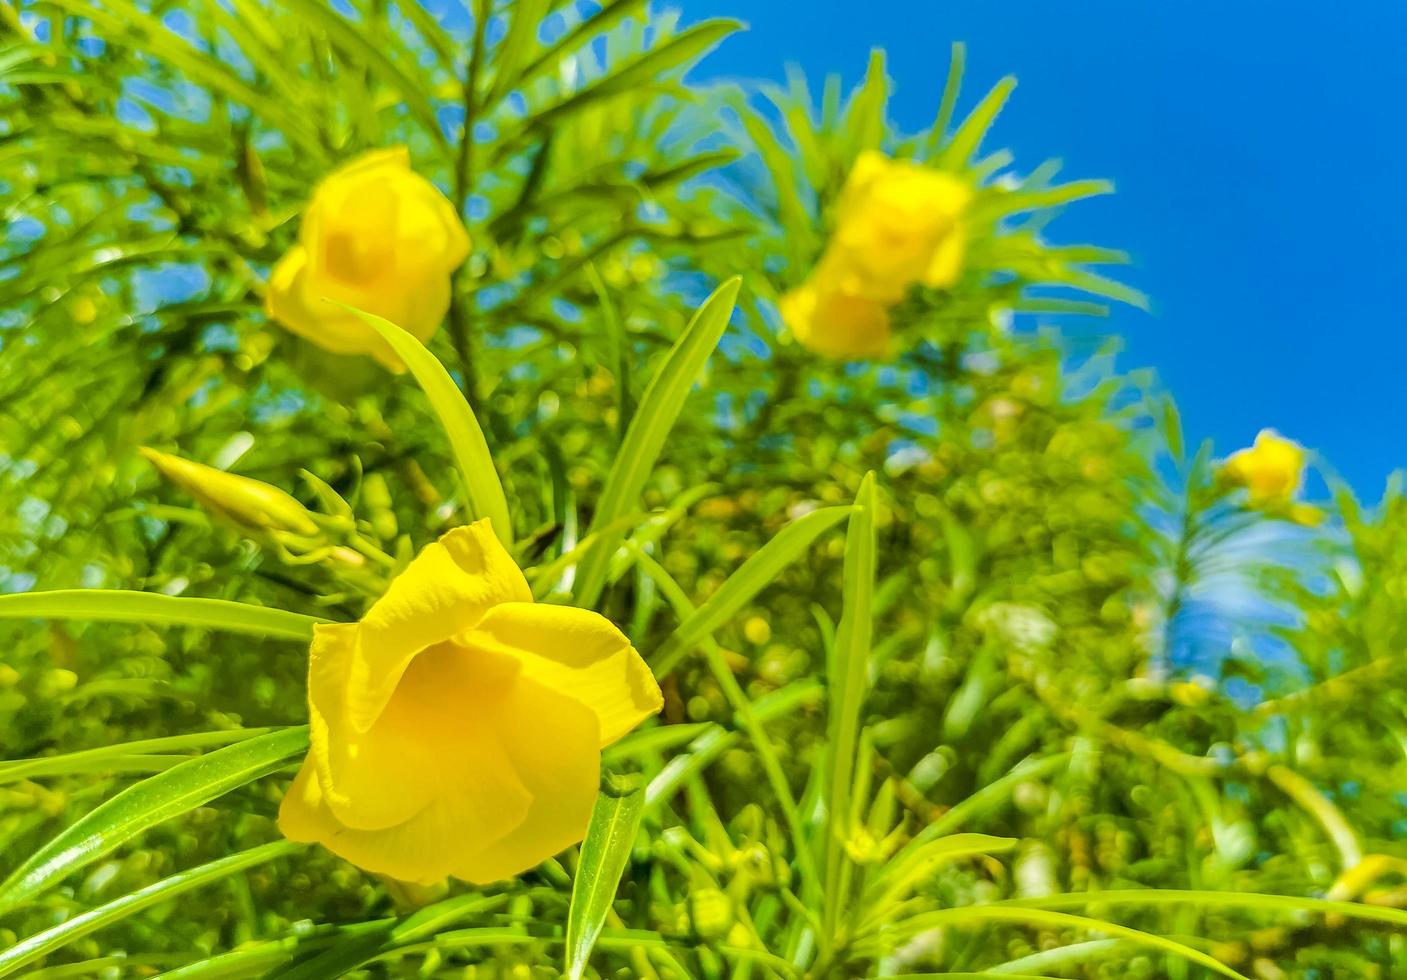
(703, 460)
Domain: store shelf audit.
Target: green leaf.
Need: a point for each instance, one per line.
(1053, 920)
(846, 689)
(980, 975)
(611, 13)
(619, 344)
(864, 119)
(754, 575)
(798, 225)
(375, 938)
(154, 609)
(149, 754)
(181, 788)
(643, 70)
(128, 22)
(466, 439)
(1000, 204)
(357, 40)
(938, 132)
(969, 135)
(42, 944)
(615, 820)
(1261, 903)
(523, 20)
(654, 417)
(894, 884)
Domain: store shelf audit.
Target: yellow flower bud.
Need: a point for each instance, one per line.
(1271, 469)
(248, 504)
(757, 630)
(710, 912)
(378, 237)
(457, 728)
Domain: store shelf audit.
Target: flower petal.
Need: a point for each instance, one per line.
(436, 731)
(444, 591)
(553, 741)
(836, 324)
(578, 653)
(476, 828)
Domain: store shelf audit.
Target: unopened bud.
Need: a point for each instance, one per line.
(249, 504)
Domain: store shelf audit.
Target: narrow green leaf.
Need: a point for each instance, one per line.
(798, 224)
(951, 87)
(1106, 287)
(346, 953)
(969, 135)
(630, 75)
(980, 975)
(1000, 204)
(122, 757)
(978, 802)
(181, 788)
(615, 820)
(846, 689)
(42, 944)
(654, 417)
(154, 609)
(127, 21)
(508, 56)
(1054, 920)
(611, 13)
(1253, 902)
(864, 119)
(358, 41)
(754, 575)
(619, 344)
(897, 884)
(466, 439)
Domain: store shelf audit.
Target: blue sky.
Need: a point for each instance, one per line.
(1259, 152)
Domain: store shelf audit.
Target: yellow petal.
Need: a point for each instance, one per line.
(553, 741)
(946, 265)
(836, 324)
(436, 723)
(1271, 470)
(299, 302)
(376, 237)
(551, 744)
(578, 653)
(444, 591)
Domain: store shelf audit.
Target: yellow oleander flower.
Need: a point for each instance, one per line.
(1271, 469)
(457, 729)
(378, 237)
(898, 224)
(836, 324)
(249, 504)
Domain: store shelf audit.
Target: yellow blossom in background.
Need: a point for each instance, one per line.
(836, 324)
(898, 224)
(457, 728)
(376, 236)
(249, 504)
(1271, 469)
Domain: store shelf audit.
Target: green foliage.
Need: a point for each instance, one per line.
(1057, 702)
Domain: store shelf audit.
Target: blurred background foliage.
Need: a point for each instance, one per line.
(1082, 639)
